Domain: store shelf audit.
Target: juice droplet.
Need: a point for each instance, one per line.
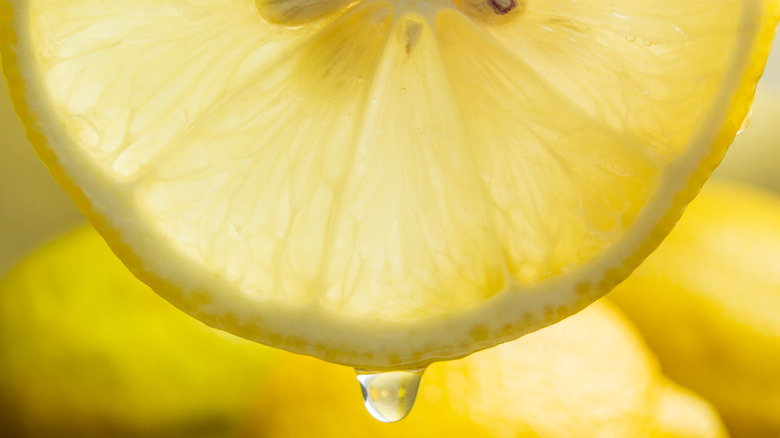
(389, 396)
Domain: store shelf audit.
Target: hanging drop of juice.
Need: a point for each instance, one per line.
(389, 395)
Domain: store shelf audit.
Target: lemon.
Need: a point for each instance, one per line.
(379, 183)
(708, 302)
(588, 376)
(87, 350)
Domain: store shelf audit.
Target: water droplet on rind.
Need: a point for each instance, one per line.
(389, 395)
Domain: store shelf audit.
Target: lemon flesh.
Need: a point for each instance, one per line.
(383, 184)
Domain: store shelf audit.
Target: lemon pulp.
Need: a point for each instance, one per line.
(383, 184)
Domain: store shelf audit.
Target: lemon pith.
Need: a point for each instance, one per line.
(386, 184)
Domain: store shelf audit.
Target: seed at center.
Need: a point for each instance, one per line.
(502, 7)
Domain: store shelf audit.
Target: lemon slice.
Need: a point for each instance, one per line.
(383, 183)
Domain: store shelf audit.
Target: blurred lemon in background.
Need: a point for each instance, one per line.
(708, 302)
(88, 350)
(588, 376)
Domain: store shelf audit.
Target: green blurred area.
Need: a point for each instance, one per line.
(87, 350)
(32, 207)
(755, 154)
